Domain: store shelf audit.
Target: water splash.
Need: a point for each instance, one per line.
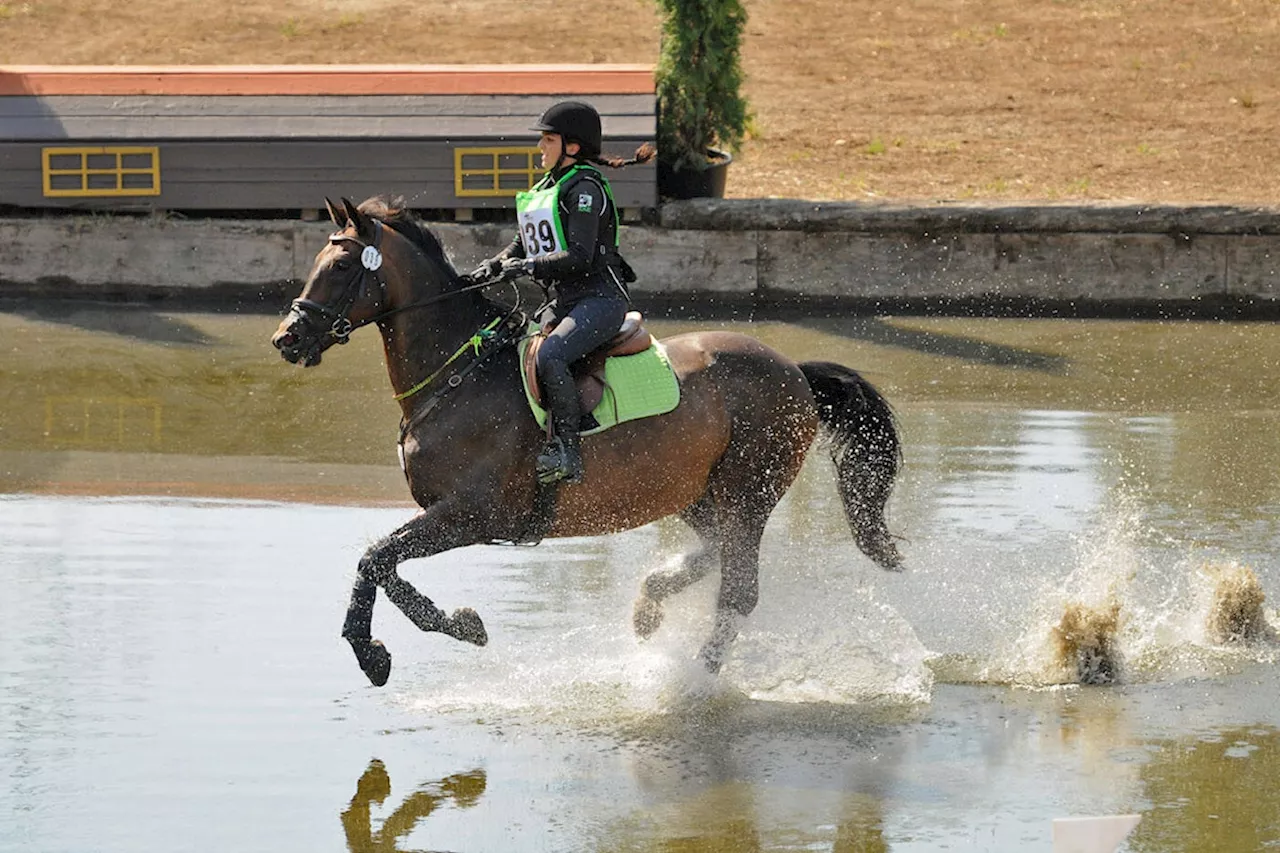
(1233, 606)
(1079, 629)
(600, 675)
(1085, 641)
(1099, 626)
(1190, 633)
(874, 656)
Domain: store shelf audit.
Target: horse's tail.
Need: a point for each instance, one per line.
(865, 449)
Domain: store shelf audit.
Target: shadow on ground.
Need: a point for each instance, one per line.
(877, 331)
(140, 322)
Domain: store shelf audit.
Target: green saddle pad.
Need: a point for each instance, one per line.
(636, 386)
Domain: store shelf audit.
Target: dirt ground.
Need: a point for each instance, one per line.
(1001, 100)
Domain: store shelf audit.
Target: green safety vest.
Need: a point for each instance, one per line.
(538, 212)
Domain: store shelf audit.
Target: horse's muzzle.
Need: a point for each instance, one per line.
(296, 344)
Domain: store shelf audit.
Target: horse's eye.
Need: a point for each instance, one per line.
(342, 264)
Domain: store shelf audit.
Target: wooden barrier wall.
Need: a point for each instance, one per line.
(239, 138)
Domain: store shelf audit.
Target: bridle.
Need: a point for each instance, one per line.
(340, 327)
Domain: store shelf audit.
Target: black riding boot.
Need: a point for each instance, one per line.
(561, 457)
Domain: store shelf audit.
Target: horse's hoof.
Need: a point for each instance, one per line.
(465, 625)
(883, 551)
(646, 618)
(374, 659)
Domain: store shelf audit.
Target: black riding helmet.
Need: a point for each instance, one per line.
(576, 122)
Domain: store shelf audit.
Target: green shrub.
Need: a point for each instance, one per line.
(699, 80)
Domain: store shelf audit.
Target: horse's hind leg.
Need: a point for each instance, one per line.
(693, 567)
(739, 582)
(420, 537)
(759, 466)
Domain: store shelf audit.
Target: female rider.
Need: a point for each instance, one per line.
(568, 242)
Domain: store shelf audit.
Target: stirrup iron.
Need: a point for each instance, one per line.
(556, 462)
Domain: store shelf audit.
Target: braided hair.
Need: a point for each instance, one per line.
(643, 154)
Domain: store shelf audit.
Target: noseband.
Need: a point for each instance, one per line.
(340, 327)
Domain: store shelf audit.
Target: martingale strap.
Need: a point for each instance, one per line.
(474, 343)
(485, 343)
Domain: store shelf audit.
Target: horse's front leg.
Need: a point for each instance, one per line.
(429, 532)
(373, 657)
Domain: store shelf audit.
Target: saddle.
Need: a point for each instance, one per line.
(588, 371)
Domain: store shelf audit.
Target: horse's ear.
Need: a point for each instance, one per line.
(356, 218)
(339, 220)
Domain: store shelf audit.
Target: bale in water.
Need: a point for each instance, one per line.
(1235, 609)
(1085, 641)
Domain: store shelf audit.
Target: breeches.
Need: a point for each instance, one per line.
(589, 324)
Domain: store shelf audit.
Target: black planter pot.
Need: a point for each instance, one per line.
(695, 183)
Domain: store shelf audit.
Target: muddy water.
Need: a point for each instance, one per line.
(180, 514)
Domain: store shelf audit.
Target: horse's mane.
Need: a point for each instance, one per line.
(392, 213)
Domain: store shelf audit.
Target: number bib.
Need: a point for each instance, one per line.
(537, 212)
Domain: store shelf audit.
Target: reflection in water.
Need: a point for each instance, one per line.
(728, 774)
(463, 790)
(1213, 792)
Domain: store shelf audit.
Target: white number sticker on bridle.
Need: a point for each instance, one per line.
(371, 258)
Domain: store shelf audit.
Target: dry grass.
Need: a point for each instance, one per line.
(1151, 100)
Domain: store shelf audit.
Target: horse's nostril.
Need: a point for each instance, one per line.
(288, 339)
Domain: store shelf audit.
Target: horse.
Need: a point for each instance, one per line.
(720, 460)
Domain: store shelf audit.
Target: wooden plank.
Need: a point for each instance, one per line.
(525, 107)
(265, 160)
(336, 155)
(494, 130)
(250, 196)
(326, 80)
(255, 196)
(269, 155)
(284, 195)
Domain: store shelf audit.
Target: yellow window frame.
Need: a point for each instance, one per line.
(532, 170)
(119, 171)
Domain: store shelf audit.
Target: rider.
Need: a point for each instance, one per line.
(567, 241)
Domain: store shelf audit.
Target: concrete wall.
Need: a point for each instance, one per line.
(737, 253)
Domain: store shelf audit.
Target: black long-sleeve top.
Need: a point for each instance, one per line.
(581, 269)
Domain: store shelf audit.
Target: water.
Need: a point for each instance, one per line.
(181, 513)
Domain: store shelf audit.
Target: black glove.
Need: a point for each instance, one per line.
(487, 271)
(516, 267)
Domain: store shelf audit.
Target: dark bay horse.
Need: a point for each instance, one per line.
(721, 460)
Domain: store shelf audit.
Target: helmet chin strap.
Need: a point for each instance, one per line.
(560, 158)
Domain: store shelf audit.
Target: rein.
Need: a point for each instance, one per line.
(370, 262)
